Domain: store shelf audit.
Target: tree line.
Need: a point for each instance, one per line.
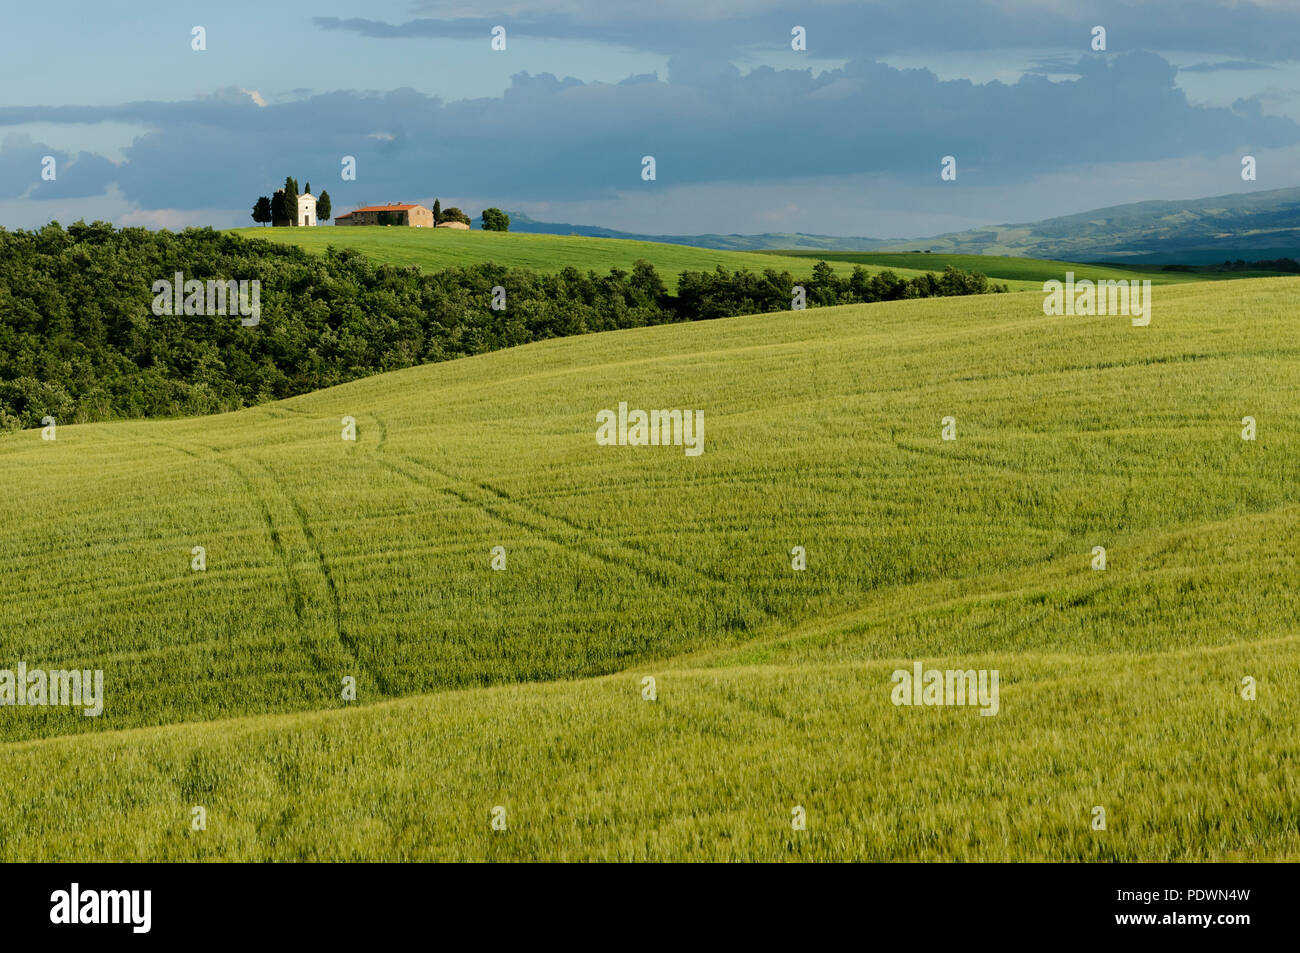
(451, 214)
(79, 340)
(493, 219)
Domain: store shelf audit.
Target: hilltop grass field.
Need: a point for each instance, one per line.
(433, 249)
(522, 688)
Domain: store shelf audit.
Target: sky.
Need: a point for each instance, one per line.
(845, 137)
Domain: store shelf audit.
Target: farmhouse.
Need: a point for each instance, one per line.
(416, 216)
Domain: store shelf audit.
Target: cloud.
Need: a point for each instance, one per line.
(1241, 65)
(110, 206)
(23, 161)
(1254, 28)
(562, 140)
(1056, 65)
(461, 28)
(179, 218)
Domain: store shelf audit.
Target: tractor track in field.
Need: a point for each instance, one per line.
(297, 601)
(540, 513)
(620, 556)
(297, 597)
(348, 643)
(939, 454)
(533, 510)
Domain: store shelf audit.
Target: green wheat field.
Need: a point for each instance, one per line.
(521, 689)
(433, 249)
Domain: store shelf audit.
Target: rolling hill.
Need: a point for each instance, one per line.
(522, 688)
(1252, 226)
(1248, 225)
(432, 249)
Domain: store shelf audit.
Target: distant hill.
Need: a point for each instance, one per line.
(767, 240)
(1249, 225)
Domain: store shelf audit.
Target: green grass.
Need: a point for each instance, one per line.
(432, 249)
(1029, 271)
(522, 688)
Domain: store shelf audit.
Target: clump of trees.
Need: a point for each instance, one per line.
(495, 220)
(452, 214)
(262, 210)
(282, 207)
(84, 350)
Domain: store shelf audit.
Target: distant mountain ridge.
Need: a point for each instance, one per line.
(1190, 231)
(762, 242)
(1249, 225)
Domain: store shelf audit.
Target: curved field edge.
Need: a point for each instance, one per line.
(435, 249)
(1018, 269)
(711, 770)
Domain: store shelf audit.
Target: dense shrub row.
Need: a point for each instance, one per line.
(79, 339)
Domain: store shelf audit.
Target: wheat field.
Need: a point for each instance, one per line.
(518, 694)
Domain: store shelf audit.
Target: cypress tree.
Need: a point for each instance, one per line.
(291, 200)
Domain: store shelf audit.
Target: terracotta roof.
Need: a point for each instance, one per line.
(386, 208)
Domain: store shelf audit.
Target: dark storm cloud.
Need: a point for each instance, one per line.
(22, 161)
(868, 27)
(562, 139)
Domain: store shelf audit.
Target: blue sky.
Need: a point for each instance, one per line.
(748, 135)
